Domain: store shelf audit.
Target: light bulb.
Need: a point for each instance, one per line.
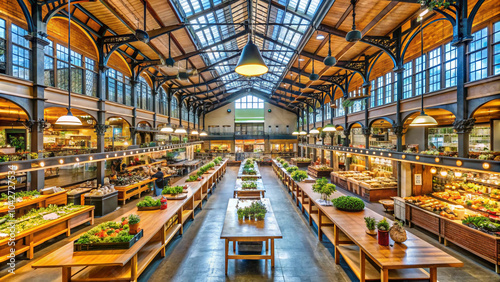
(443, 173)
(433, 170)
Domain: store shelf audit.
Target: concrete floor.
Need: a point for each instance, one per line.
(198, 255)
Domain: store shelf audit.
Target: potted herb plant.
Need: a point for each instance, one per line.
(133, 224)
(325, 189)
(383, 232)
(370, 225)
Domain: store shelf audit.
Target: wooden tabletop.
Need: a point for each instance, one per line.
(151, 222)
(235, 228)
(260, 185)
(415, 252)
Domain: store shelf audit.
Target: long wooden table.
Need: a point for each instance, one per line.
(363, 254)
(23, 207)
(159, 226)
(235, 230)
(242, 193)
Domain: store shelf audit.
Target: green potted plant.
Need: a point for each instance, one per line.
(324, 188)
(133, 223)
(370, 225)
(299, 175)
(383, 232)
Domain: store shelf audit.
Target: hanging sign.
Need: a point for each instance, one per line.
(418, 179)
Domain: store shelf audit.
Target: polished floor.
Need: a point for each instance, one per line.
(198, 255)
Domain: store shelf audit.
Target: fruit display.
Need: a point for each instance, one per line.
(34, 218)
(101, 191)
(348, 203)
(76, 191)
(434, 205)
(321, 168)
(19, 197)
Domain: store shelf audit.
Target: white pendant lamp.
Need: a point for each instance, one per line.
(203, 133)
(167, 129)
(295, 132)
(69, 118)
(194, 132)
(314, 131)
(329, 128)
(180, 130)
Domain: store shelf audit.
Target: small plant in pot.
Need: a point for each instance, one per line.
(383, 232)
(324, 188)
(370, 225)
(133, 223)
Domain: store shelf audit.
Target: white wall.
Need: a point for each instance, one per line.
(279, 117)
(221, 117)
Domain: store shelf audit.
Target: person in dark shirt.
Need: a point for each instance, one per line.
(155, 173)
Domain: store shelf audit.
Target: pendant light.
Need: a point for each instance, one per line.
(69, 118)
(313, 76)
(251, 62)
(169, 61)
(329, 61)
(319, 36)
(183, 75)
(302, 133)
(167, 129)
(329, 128)
(314, 131)
(422, 119)
(354, 35)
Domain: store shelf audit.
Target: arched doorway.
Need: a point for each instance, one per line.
(14, 136)
(382, 136)
(117, 136)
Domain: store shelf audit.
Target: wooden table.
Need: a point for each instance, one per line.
(235, 230)
(363, 254)
(58, 198)
(127, 192)
(241, 193)
(159, 226)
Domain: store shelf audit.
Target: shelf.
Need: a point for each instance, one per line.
(351, 255)
(324, 221)
(186, 214)
(329, 232)
(197, 202)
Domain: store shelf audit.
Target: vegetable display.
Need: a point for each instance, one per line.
(192, 178)
(299, 175)
(35, 218)
(149, 202)
(286, 164)
(291, 169)
(249, 171)
(348, 203)
(249, 185)
(482, 223)
(19, 196)
(172, 190)
(302, 160)
(324, 188)
(256, 210)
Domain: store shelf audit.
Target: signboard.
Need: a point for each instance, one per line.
(418, 179)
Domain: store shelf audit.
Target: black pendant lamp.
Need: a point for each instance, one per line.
(69, 118)
(183, 75)
(251, 62)
(423, 119)
(169, 61)
(313, 76)
(329, 61)
(142, 35)
(353, 35)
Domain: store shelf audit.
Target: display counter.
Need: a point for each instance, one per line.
(319, 171)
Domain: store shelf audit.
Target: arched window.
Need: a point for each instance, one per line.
(174, 111)
(162, 101)
(249, 102)
(144, 95)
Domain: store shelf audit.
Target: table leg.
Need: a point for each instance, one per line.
(234, 246)
(226, 250)
(272, 253)
(66, 274)
(384, 275)
(267, 245)
(133, 268)
(433, 274)
(362, 261)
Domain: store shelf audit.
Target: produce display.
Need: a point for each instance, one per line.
(482, 223)
(101, 191)
(256, 210)
(434, 205)
(248, 178)
(348, 203)
(51, 190)
(149, 201)
(108, 233)
(249, 185)
(192, 178)
(291, 169)
(299, 175)
(286, 164)
(174, 190)
(321, 167)
(370, 179)
(76, 191)
(128, 179)
(302, 160)
(19, 196)
(34, 218)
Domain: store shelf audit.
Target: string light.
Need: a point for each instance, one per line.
(433, 170)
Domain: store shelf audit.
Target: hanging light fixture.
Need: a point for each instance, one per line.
(180, 130)
(167, 129)
(251, 62)
(329, 61)
(302, 133)
(296, 132)
(422, 119)
(314, 131)
(354, 35)
(203, 133)
(169, 61)
(319, 36)
(183, 75)
(313, 76)
(329, 128)
(69, 118)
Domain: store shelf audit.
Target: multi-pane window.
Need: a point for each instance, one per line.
(128, 92)
(249, 102)
(328, 111)
(388, 88)
(407, 80)
(111, 85)
(478, 55)
(62, 66)
(21, 56)
(450, 65)
(48, 64)
(90, 78)
(420, 75)
(174, 111)
(3, 46)
(144, 96)
(435, 69)
(395, 88)
(372, 93)
(76, 72)
(496, 48)
(339, 111)
(162, 101)
(380, 90)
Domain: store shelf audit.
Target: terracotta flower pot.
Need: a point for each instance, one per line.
(371, 232)
(383, 238)
(133, 228)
